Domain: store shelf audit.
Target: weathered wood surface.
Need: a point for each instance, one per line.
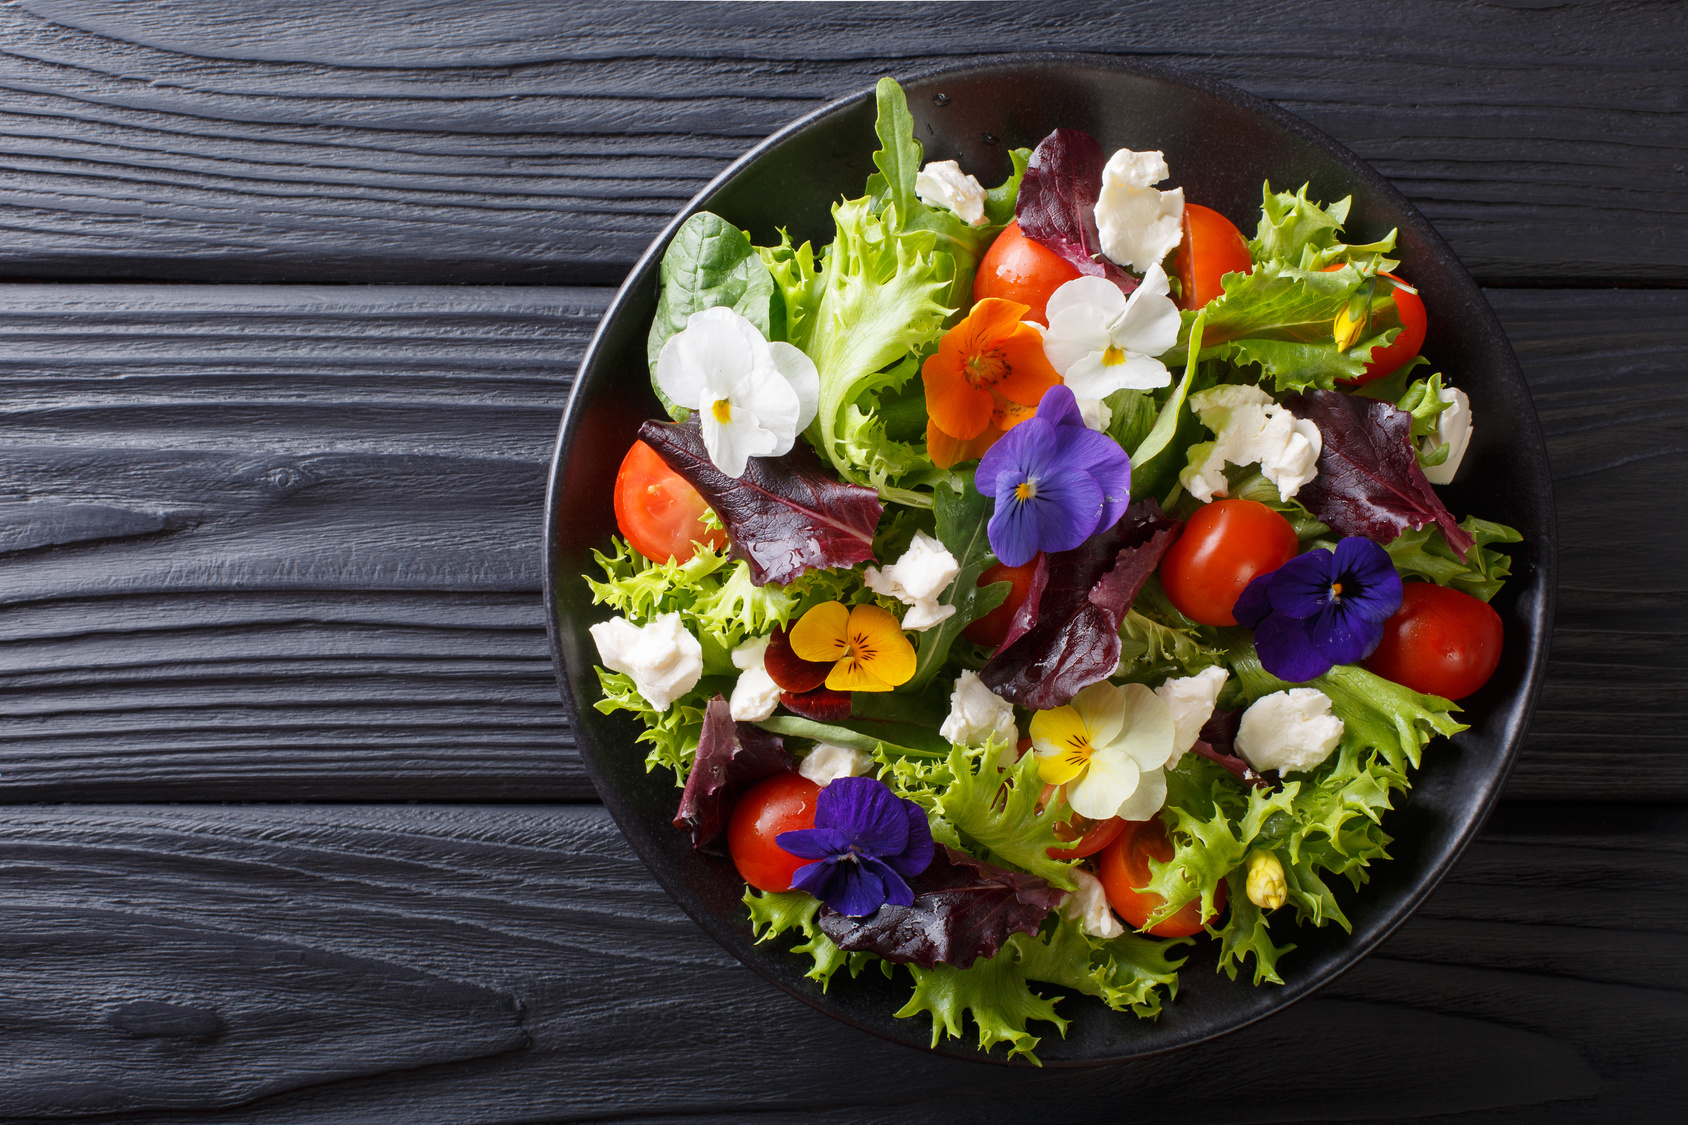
(379, 964)
(526, 140)
(278, 543)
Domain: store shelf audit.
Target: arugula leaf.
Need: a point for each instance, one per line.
(730, 757)
(710, 262)
(962, 515)
(999, 811)
(773, 913)
(899, 156)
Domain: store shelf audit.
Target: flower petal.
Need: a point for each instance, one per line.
(1371, 587)
(1343, 636)
(1151, 322)
(820, 634)
(1146, 800)
(1068, 508)
(1059, 406)
(896, 891)
(853, 889)
(1286, 651)
(955, 405)
(851, 674)
(1302, 586)
(1253, 604)
(883, 650)
(1111, 778)
(1029, 374)
(798, 370)
(917, 855)
(866, 812)
(1149, 736)
(1061, 741)
(1101, 707)
(947, 450)
(813, 843)
(1022, 449)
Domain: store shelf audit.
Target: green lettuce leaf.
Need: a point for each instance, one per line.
(1245, 935)
(1296, 231)
(798, 281)
(773, 913)
(1425, 553)
(997, 810)
(962, 515)
(993, 991)
(1125, 973)
(672, 734)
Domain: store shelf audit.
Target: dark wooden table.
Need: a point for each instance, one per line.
(295, 829)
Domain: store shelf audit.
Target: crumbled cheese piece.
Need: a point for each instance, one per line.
(925, 571)
(942, 183)
(1289, 731)
(977, 714)
(664, 660)
(1251, 428)
(755, 695)
(1088, 905)
(1453, 428)
(1191, 700)
(1139, 224)
(827, 763)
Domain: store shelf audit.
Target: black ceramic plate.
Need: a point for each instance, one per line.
(1221, 144)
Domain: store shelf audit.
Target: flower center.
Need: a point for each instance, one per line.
(1113, 356)
(723, 410)
(985, 369)
(1077, 750)
(1335, 591)
(1025, 490)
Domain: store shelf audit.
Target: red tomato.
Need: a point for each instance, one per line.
(993, 626)
(1124, 868)
(1212, 247)
(1224, 546)
(782, 803)
(1410, 308)
(1440, 642)
(1017, 269)
(1095, 835)
(657, 511)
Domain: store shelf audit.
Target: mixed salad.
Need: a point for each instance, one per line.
(1037, 580)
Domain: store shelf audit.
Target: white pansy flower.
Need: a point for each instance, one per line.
(664, 659)
(1139, 224)
(755, 695)
(1250, 428)
(1289, 731)
(1100, 341)
(1110, 747)
(1088, 906)
(752, 397)
(978, 714)
(1453, 429)
(925, 571)
(1191, 700)
(942, 183)
(827, 763)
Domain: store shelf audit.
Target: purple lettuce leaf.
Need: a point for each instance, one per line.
(731, 757)
(785, 516)
(1074, 639)
(963, 909)
(1057, 204)
(1369, 480)
(1217, 743)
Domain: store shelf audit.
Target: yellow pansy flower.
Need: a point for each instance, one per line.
(866, 645)
(1109, 747)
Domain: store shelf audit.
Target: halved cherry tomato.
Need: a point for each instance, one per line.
(1223, 547)
(992, 628)
(1017, 269)
(657, 510)
(1441, 642)
(1212, 247)
(782, 803)
(1409, 307)
(1124, 870)
(1092, 836)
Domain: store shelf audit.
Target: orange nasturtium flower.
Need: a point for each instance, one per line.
(866, 643)
(986, 377)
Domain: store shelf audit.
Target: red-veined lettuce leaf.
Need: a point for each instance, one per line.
(785, 516)
(963, 909)
(731, 757)
(1057, 204)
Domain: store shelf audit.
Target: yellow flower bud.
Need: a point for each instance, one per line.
(1266, 886)
(1351, 321)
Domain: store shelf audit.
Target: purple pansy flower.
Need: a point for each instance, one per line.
(866, 841)
(1321, 609)
(1054, 481)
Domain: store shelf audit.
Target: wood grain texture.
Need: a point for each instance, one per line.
(523, 140)
(283, 542)
(1527, 986)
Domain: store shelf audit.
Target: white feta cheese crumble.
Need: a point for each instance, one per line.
(1289, 731)
(977, 714)
(1250, 428)
(1453, 428)
(1191, 700)
(1088, 905)
(664, 659)
(827, 763)
(924, 572)
(942, 183)
(755, 695)
(1139, 224)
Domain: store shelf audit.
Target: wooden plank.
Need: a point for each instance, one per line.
(1519, 987)
(529, 141)
(283, 542)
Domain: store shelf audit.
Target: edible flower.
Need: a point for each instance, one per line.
(1109, 747)
(1266, 886)
(986, 377)
(865, 646)
(1054, 481)
(752, 397)
(1101, 341)
(866, 843)
(1321, 609)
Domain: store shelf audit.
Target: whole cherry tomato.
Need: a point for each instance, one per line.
(782, 803)
(1017, 269)
(1224, 545)
(1091, 836)
(1212, 247)
(1440, 642)
(1124, 870)
(992, 628)
(1409, 307)
(657, 510)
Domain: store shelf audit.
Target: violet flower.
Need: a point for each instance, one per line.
(1321, 609)
(1054, 480)
(865, 843)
